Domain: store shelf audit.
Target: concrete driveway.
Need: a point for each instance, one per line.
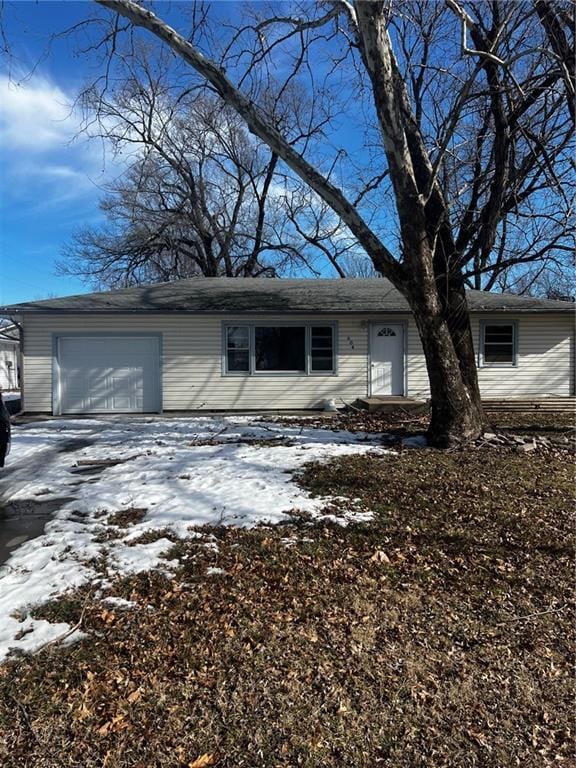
(24, 518)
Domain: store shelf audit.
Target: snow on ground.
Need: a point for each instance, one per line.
(182, 472)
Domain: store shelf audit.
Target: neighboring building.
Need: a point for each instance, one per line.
(9, 357)
(225, 344)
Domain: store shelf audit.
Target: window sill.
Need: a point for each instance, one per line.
(278, 374)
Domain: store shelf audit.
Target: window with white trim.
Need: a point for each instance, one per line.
(279, 349)
(498, 344)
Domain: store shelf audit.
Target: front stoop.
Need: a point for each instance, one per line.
(386, 404)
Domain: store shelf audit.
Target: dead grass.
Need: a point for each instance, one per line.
(403, 422)
(534, 422)
(124, 518)
(439, 635)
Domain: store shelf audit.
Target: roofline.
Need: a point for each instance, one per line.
(571, 307)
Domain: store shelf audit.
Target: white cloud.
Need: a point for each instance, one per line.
(36, 116)
(46, 160)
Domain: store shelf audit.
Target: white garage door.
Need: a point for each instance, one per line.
(107, 374)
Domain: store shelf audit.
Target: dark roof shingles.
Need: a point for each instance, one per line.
(227, 295)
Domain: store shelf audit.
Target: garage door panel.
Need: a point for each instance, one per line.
(109, 374)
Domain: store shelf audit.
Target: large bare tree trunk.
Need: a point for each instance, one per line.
(434, 287)
(443, 321)
(444, 327)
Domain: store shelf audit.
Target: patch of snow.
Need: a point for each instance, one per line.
(185, 472)
(120, 602)
(32, 634)
(215, 572)
(290, 541)
(143, 557)
(72, 637)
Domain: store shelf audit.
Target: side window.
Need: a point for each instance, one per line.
(498, 344)
(322, 349)
(238, 349)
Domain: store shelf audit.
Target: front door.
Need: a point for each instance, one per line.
(387, 359)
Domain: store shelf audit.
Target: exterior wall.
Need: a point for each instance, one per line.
(8, 365)
(544, 358)
(192, 361)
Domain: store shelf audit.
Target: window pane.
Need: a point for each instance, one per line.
(238, 360)
(504, 337)
(322, 343)
(322, 363)
(498, 353)
(498, 333)
(280, 349)
(499, 343)
(319, 332)
(238, 338)
(322, 349)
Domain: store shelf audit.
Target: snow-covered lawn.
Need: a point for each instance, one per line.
(182, 472)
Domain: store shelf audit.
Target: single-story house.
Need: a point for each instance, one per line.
(233, 343)
(9, 357)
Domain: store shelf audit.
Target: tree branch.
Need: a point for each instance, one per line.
(145, 19)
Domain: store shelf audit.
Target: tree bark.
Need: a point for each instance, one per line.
(446, 337)
(435, 288)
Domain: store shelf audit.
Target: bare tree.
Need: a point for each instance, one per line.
(543, 281)
(200, 195)
(195, 198)
(559, 21)
(462, 145)
(502, 92)
(517, 174)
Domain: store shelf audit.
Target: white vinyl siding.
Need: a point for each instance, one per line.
(192, 375)
(544, 358)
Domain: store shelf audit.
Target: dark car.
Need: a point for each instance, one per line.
(4, 431)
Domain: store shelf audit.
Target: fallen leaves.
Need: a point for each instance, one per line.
(379, 557)
(432, 636)
(204, 761)
(135, 695)
(116, 724)
(108, 617)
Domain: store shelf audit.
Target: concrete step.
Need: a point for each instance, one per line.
(393, 403)
(521, 404)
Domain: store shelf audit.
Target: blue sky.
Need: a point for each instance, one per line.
(49, 177)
